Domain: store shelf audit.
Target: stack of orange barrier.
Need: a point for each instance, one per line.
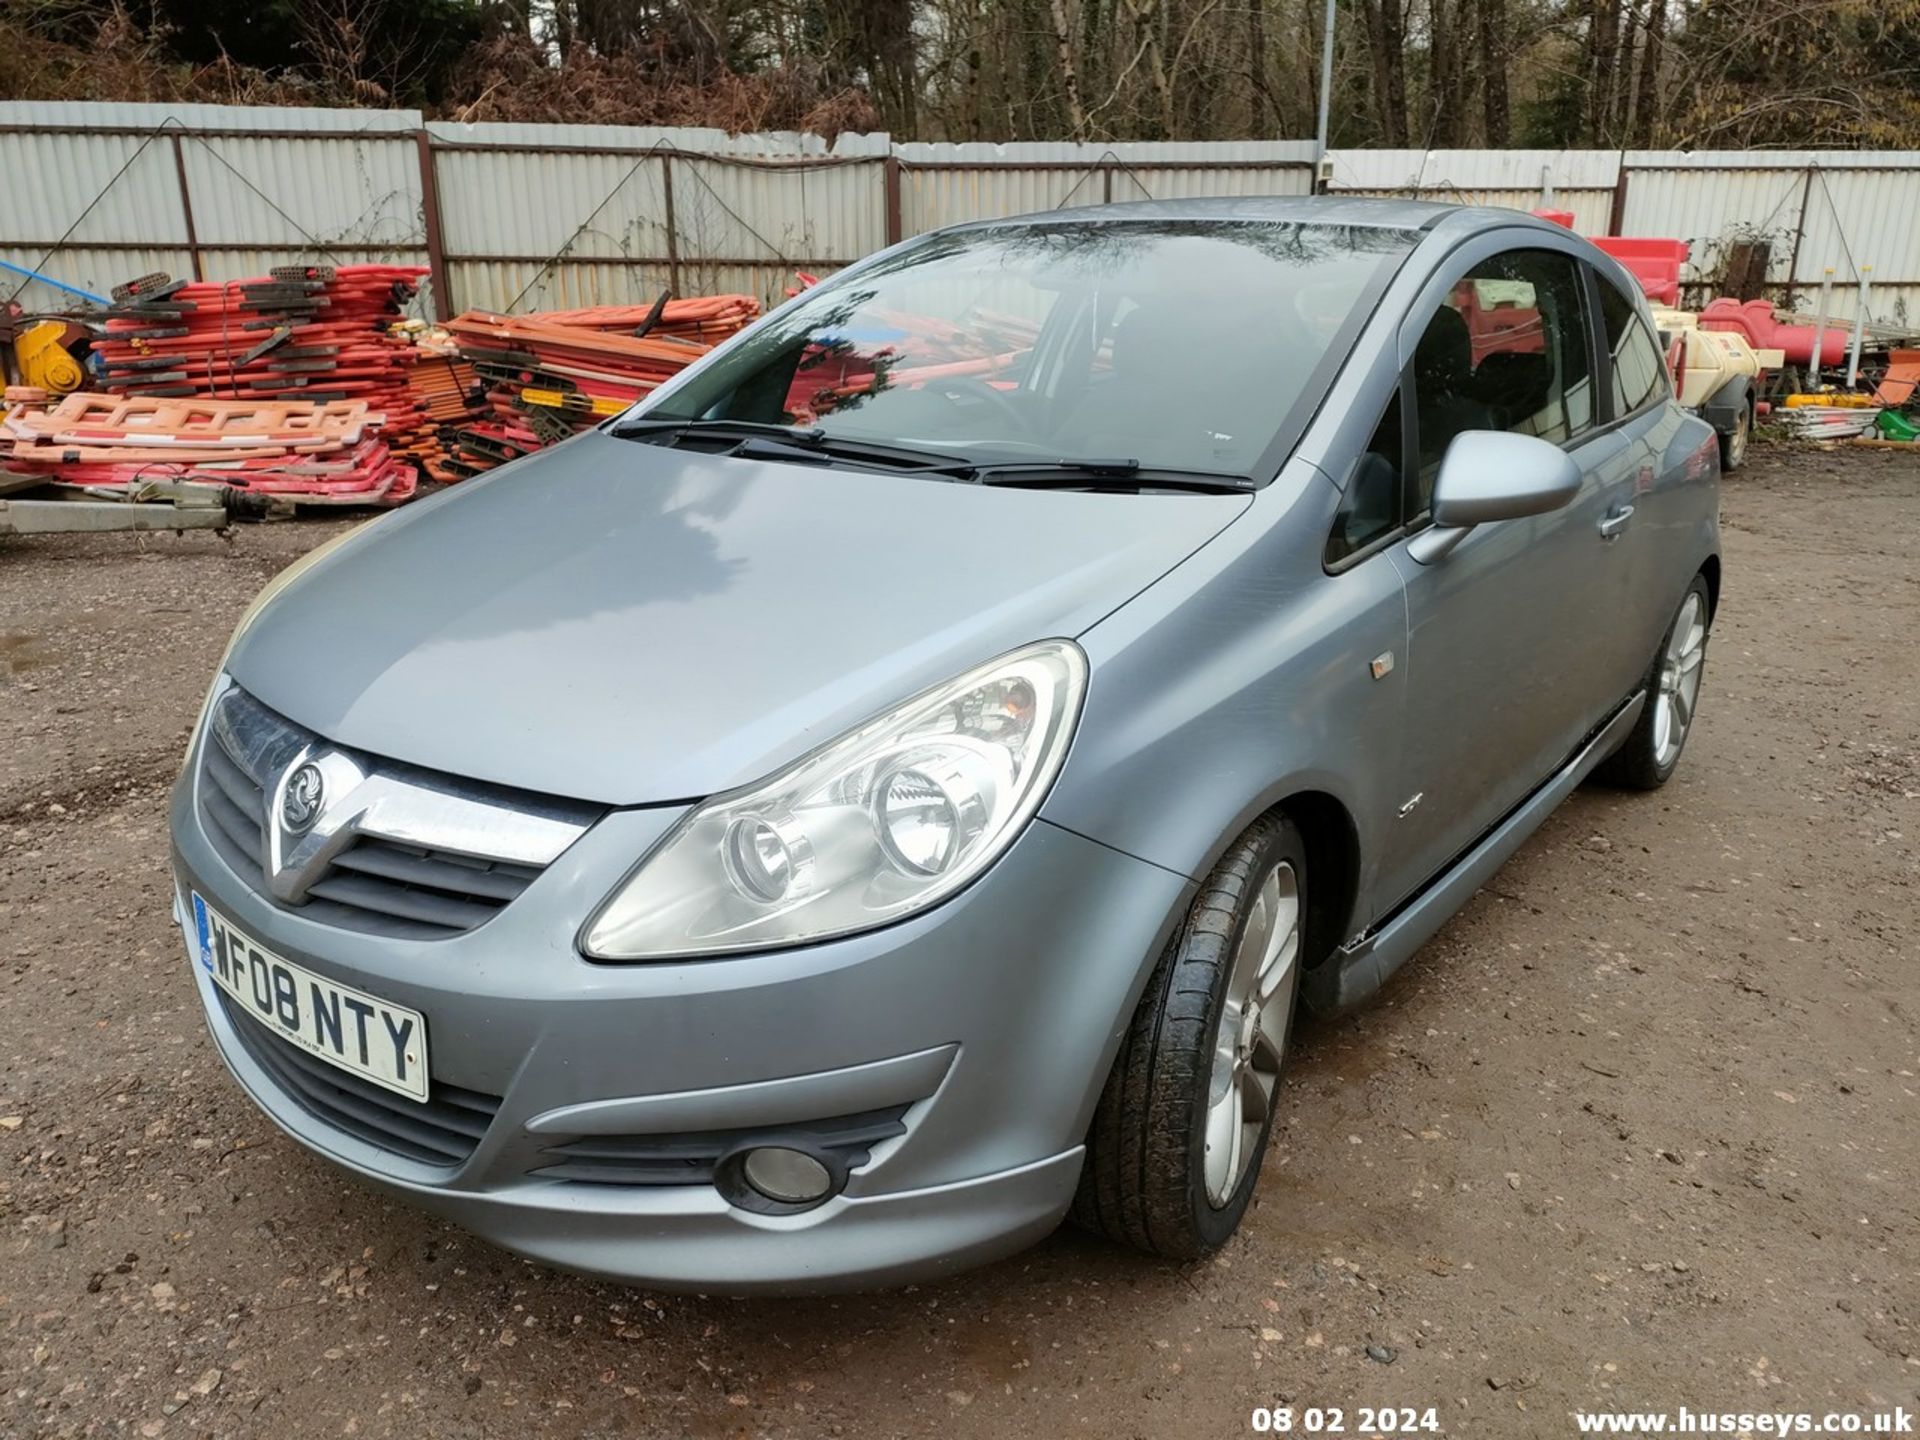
(446, 395)
(550, 374)
(707, 318)
(314, 453)
(303, 332)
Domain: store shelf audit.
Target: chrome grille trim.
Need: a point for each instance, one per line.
(401, 851)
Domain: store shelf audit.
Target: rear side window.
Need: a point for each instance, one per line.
(1639, 369)
(1507, 351)
(1370, 509)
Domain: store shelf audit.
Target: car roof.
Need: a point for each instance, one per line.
(1384, 213)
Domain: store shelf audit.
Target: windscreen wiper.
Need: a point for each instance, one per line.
(642, 427)
(755, 435)
(1106, 475)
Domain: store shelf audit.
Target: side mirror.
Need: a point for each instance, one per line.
(1489, 475)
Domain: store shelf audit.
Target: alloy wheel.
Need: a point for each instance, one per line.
(1679, 688)
(1251, 1043)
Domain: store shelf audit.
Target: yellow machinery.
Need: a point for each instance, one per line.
(41, 357)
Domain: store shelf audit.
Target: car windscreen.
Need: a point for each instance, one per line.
(1178, 344)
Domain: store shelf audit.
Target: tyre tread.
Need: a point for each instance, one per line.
(1134, 1187)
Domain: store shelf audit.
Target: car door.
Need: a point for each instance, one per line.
(1514, 651)
(1658, 542)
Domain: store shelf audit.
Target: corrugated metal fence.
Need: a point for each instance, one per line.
(1813, 212)
(536, 216)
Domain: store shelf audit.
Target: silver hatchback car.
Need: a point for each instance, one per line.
(896, 786)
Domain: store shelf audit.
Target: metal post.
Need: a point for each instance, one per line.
(1617, 212)
(430, 222)
(1800, 230)
(1546, 187)
(1326, 88)
(894, 216)
(186, 208)
(1859, 328)
(1820, 330)
(673, 226)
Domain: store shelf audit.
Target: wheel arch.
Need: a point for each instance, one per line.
(1724, 408)
(1710, 571)
(1332, 839)
(1333, 867)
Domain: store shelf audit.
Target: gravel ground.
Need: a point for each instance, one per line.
(1637, 1130)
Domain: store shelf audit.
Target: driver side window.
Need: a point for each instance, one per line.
(1506, 351)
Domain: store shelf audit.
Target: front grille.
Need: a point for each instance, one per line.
(233, 805)
(690, 1157)
(443, 1131)
(415, 886)
(377, 885)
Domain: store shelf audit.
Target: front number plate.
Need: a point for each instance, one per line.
(360, 1033)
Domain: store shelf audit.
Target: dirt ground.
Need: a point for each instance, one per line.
(1637, 1130)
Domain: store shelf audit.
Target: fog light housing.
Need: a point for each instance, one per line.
(786, 1177)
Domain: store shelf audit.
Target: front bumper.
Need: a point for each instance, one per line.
(991, 1019)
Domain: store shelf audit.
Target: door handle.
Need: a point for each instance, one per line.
(1615, 522)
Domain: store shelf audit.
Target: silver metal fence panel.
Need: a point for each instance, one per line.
(1863, 215)
(946, 184)
(272, 192)
(93, 270)
(524, 204)
(801, 216)
(1713, 207)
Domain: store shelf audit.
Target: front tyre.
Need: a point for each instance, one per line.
(1647, 759)
(1177, 1139)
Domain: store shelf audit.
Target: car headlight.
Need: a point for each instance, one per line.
(882, 822)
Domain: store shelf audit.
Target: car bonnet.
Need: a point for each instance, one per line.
(629, 624)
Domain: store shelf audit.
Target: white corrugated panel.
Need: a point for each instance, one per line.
(1404, 172)
(1580, 181)
(1894, 309)
(137, 115)
(95, 271)
(516, 287)
(764, 144)
(527, 204)
(569, 285)
(360, 191)
(531, 204)
(931, 198)
(1861, 217)
(54, 180)
(274, 191)
(803, 215)
(1182, 184)
(1772, 159)
(1711, 208)
(945, 184)
(766, 204)
(1056, 152)
(1591, 209)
